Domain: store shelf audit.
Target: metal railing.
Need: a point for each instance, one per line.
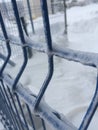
(20, 109)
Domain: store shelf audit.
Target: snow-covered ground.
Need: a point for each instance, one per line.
(73, 84)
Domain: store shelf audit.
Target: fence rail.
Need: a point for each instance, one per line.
(20, 109)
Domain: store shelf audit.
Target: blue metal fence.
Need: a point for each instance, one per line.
(19, 108)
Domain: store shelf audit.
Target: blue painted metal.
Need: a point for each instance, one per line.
(4, 65)
(7, 44)
(43, 123)
(30, 116)
(23, 115)
(44, 111)
(9, 114)
(91, 110)
(3, 57)
(49, 50)
(23, 42)
(16, 109)
(30, 14)
(11, 103)
(10, 108)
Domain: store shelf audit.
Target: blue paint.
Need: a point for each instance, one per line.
(49, 50)
(11, 105)
(20, 30)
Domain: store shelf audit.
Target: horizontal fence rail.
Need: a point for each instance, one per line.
(86, 58)
(20, 109)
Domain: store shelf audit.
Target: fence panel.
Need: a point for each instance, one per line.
(20, 109)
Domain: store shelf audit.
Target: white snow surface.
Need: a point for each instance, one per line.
(73, 84)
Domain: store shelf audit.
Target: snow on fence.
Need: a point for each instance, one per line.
(20, 109)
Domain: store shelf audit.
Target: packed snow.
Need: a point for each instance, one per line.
(73, 84)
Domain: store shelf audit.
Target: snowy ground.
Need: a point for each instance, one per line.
(73, 84)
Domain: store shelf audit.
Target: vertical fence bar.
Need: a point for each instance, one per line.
(15, 107)
(4, 58)
(30, 14)
(5, 120)
(8, 109)
(3, 103)
(43, 124)
(8, 98)
(23, 115)
(49, 50)
(14, 4)
(65, 16)
(52, 6)
(24, 25)
(7, 59)
(30, 115)
(7, 44)
(91, 110)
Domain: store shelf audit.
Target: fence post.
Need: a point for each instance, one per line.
(52, 6)
(30, 14)
(65, 16)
